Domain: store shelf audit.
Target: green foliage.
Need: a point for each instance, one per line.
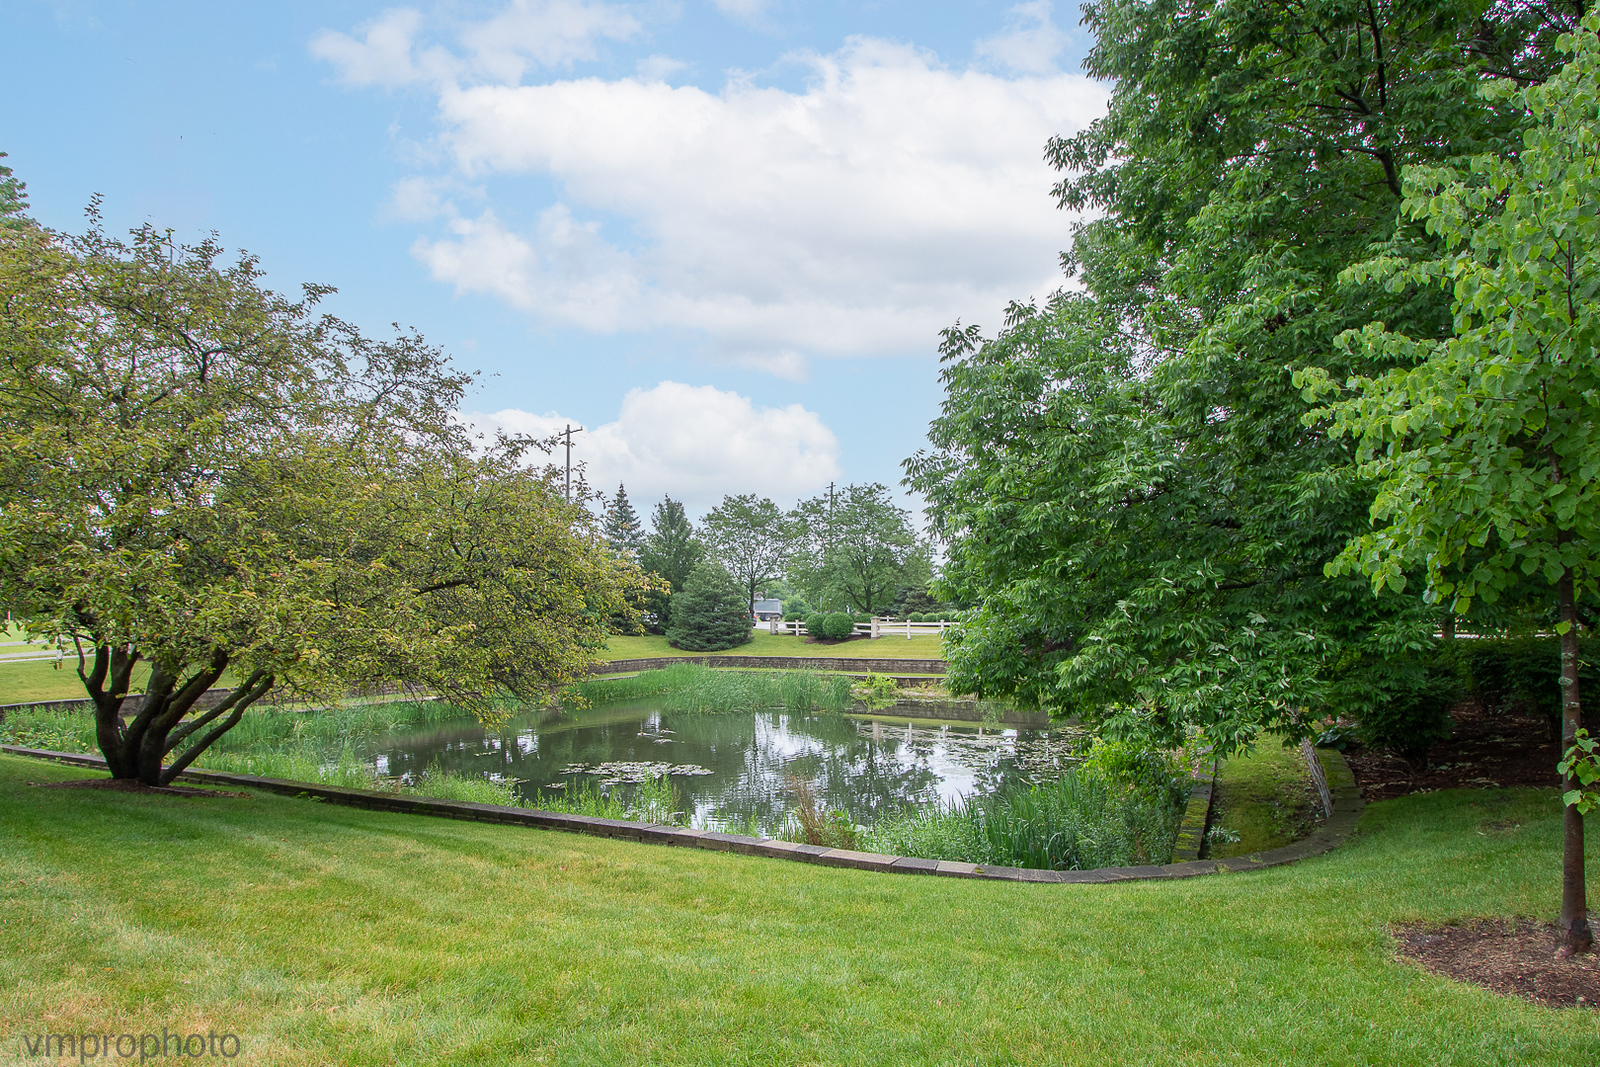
(1581, 764)
(1159, 775)
(671, 553)
(855, 549)
(654, 801)
(1080, 821)
(1408, 709)
(201, 475)
(622, 529)
(1523, 671)
(693, 688)
(1130, 495)
(832, 626)
(876, 690)
(13, 199)
(711, 613)
(749, 537)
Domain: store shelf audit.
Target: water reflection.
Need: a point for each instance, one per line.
(868, 766)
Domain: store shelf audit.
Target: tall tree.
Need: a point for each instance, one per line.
(199, 477)
(855, 549)
(623, 531)
(750, 538)
(1487, 443)
(1147, 537)
(671, 551)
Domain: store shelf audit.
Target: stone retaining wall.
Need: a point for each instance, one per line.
(1347, 810)
(838, 664)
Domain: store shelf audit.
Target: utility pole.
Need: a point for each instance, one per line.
(567, 433)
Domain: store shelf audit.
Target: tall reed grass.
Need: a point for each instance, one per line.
(1080, 821)
(690, 687)
(654, 801)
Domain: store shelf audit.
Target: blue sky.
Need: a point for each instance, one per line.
(722, 236)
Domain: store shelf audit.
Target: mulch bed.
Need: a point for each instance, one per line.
(1487, 750)
(1513, 957)
(128, 785)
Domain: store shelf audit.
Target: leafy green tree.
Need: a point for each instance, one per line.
(623, 531)
(199, 477)
(13, 199)
(750, 538)
(1124, 478)
(856, 548)
(710, 613)
(671, 552)
(1486, 444)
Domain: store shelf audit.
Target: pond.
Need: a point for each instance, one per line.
(735, 768)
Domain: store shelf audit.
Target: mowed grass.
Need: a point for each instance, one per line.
(327, 935)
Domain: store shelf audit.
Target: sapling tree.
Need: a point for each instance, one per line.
(203, 483)
(1487, 443)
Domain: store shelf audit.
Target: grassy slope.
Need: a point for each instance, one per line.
(39, 680)
(327, 935)
(1266, 797)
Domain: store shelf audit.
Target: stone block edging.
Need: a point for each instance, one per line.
(923, 669)
(1347, 810)
(1192, 832)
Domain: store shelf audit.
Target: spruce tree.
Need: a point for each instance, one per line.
(711, 613)
(623, 531)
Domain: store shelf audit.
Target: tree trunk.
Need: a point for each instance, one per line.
(1575, 933)
(137, 748)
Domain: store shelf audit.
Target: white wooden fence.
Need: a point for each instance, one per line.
(875, 629)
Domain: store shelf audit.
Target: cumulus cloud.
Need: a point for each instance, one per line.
(527, 35)
(856, 217)
(696, 443)
(853, 217)
(750, 11)
(1030, 42)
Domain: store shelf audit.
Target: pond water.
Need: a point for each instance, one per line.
(733, 767)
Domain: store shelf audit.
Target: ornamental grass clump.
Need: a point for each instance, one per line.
(1122, 806)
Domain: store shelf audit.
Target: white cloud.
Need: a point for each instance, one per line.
(658, 68)
(696, 443)
(383, 57)
(750, 11)
(1030, 42)
(528, 34)
(854, 218)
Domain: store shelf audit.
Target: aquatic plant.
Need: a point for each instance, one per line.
(1080, 821)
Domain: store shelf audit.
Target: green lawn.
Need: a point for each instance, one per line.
(326, 935)
(1265, 796)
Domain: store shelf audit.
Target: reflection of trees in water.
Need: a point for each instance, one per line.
(868, 768)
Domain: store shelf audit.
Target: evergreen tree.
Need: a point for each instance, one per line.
(711, 613)
(623, 531)
(670, 552)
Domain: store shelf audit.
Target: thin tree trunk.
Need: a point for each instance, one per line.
(1575, 933)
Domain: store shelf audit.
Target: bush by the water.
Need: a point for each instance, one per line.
(1080, 821)
(710, 614)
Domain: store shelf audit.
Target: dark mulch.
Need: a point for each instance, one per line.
(1513, 957)
(128, 785)
(1487, 750)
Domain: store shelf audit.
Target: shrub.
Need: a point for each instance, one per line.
(1523, 672)
(710, 614)
(917, 616)
(1409, 709)
(835, 626)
